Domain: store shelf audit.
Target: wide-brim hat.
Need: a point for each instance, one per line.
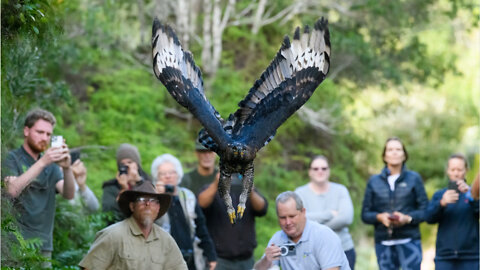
(140, 189)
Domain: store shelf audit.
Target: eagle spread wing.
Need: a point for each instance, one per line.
(288, 82)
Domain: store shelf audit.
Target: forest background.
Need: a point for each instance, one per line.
(399, 68)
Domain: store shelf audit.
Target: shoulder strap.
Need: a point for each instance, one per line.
(183, 202)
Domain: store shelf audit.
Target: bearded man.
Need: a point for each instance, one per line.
(34, 178)
(136, 242)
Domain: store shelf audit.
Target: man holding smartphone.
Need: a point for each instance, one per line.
(35, 173)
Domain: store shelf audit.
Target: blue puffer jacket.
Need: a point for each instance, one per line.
(409, 198)
(457, 236)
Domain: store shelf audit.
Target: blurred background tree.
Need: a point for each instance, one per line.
(399, 68)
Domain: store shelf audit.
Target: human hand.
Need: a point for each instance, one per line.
(56, 155)
(160, 186)
(462, 186)
(272, 253)
(212, 265)
(450, 196)
(401, 220)
(122, 180)
(9, 179)
(384, 219)
(65, 160)
(80, 173)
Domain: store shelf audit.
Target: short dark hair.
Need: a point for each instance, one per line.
(459, 156)
(36, 114)
(403, 147)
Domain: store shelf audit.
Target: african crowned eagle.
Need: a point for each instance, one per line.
(287, 83)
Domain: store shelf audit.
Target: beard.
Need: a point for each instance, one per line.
(37, 147)
(145, 218)
(147, 221)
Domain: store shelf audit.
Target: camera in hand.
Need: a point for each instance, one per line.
(453, 185)
(287, 249)
(123, 169)
(169, 188)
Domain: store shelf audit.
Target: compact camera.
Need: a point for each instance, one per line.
(57, 141)
(169, 188)
(287, 250)
(123, 169)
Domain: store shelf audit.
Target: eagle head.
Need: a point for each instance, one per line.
(240, 152)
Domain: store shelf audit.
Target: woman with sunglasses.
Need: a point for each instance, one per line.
(329, 204)
(395, 203)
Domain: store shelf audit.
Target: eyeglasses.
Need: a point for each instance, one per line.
(319, 168)
(170, 173)
(144, 201)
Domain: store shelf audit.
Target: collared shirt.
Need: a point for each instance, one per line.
(36, 203)
(319, 209)
(123, 246)
(318, 248)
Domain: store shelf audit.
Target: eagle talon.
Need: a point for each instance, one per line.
(240, 211)
(232, 217)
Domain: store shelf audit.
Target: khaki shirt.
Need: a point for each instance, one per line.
(123, 246)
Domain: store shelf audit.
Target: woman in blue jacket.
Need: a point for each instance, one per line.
(395, 202)
(456, 213)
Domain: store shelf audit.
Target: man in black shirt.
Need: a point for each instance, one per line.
(234, 244)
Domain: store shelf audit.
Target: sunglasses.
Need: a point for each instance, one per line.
(319, 168)
(144, 201)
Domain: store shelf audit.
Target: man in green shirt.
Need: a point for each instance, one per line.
(34, 178)
(136, 242)
(205, 172)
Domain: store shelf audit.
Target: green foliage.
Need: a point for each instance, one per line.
(398, 68)
(74, 231)
(16, 251)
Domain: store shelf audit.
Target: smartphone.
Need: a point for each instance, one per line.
(453, 185)
(393, 217)
(74, 155)
(57, 141)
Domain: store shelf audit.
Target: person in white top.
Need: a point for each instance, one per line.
(82, 191)
(329, 204)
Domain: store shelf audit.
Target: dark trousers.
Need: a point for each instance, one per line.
(408, 256)
(457, 264)
(351, 257)
(224, 264)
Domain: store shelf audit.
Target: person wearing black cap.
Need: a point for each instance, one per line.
(204, 173)
(129, 173)
(136, 242)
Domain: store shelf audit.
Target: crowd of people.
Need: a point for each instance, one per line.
(171, 220)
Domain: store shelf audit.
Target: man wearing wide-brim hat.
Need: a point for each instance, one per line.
(136, 242)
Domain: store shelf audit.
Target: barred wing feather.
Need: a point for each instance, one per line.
(176, 69)
(288, 82)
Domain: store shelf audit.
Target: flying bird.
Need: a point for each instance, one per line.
(287, 83)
